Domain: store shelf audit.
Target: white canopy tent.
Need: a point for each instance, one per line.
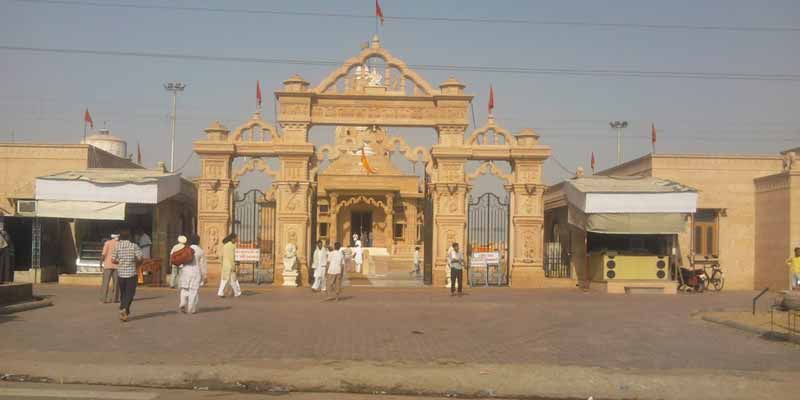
(629, 205)
(101, 194)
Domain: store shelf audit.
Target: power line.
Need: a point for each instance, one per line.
(413, 18)
(560, 165)
(191, 155)
(629, 73)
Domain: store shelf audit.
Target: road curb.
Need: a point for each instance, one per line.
(29, 305)
(463, 380)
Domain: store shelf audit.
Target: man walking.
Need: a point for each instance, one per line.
(794, 269)
(416, 271)
(127, 255)
(319, 264)
(455, 259)
(335, 271)
(109, 271)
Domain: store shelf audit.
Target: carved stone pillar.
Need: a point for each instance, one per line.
(214, 194)
(333, 227)
(527, 211)
(390, 223)
(293, 195)
(448, 189)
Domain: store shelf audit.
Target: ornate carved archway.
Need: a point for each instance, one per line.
(352, 95)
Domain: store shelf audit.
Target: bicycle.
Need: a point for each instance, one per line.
(712, 269)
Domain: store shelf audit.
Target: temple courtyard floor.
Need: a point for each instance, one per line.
(490, 343)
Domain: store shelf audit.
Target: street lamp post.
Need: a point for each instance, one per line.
(173, 87)
(619, 126)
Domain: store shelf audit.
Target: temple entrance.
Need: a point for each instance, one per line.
(487, 240)
(361, 223)
(254, 224)
(353, 185)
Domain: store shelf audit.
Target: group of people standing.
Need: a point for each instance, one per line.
(329, 268)
(329, 265)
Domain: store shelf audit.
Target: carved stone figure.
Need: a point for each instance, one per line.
(213, 241)
(453, 206)
(528, 250)
(212, 200)
(290, 253)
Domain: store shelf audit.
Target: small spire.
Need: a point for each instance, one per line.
(376, 41)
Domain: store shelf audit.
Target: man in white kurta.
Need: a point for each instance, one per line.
(358, 256)
(191, 278)
(335, 271)
(145, 244)
(319, 264)
(174, 277)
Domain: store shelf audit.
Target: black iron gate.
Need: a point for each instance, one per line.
(254, 224)
(487, 240)
(312, 244)
(427, 232)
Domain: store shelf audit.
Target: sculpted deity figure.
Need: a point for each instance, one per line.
(290, 253)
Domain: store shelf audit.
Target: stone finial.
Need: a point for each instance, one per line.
(295, 83)
(790, 161)
(527, 137)
(452, 87)
(579, 172)
(162, 166)
(375, 43)
(217, 132)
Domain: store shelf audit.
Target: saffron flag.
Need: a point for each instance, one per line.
(593, 161)
(138, 153)
(365, 162)
(378, 11)
(653, 133)
(258, 94)
(491, 99)
(88, 118)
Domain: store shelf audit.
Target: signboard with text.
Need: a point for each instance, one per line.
(482, 259)
(248, 255)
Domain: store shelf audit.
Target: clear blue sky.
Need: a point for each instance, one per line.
(43, 95)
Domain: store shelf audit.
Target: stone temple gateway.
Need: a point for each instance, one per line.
(351, 186)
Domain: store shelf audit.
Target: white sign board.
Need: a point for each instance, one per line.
(483, 259)
(248, 255)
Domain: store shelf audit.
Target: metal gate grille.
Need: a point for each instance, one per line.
(556, 260)
(487, 232)
(254, 224)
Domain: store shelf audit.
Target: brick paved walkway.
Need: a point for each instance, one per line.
(500, 326)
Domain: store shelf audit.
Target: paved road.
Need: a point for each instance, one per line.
(491, 342)
(560, 327)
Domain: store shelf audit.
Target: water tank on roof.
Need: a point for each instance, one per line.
(104, 140)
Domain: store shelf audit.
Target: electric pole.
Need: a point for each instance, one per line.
(619, 126)
(173, 87)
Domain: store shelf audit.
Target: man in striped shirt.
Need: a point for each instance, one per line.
(127, 255)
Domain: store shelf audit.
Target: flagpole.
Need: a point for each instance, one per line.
(84, 132)
(653, 137)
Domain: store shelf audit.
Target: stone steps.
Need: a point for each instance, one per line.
(386, 271)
